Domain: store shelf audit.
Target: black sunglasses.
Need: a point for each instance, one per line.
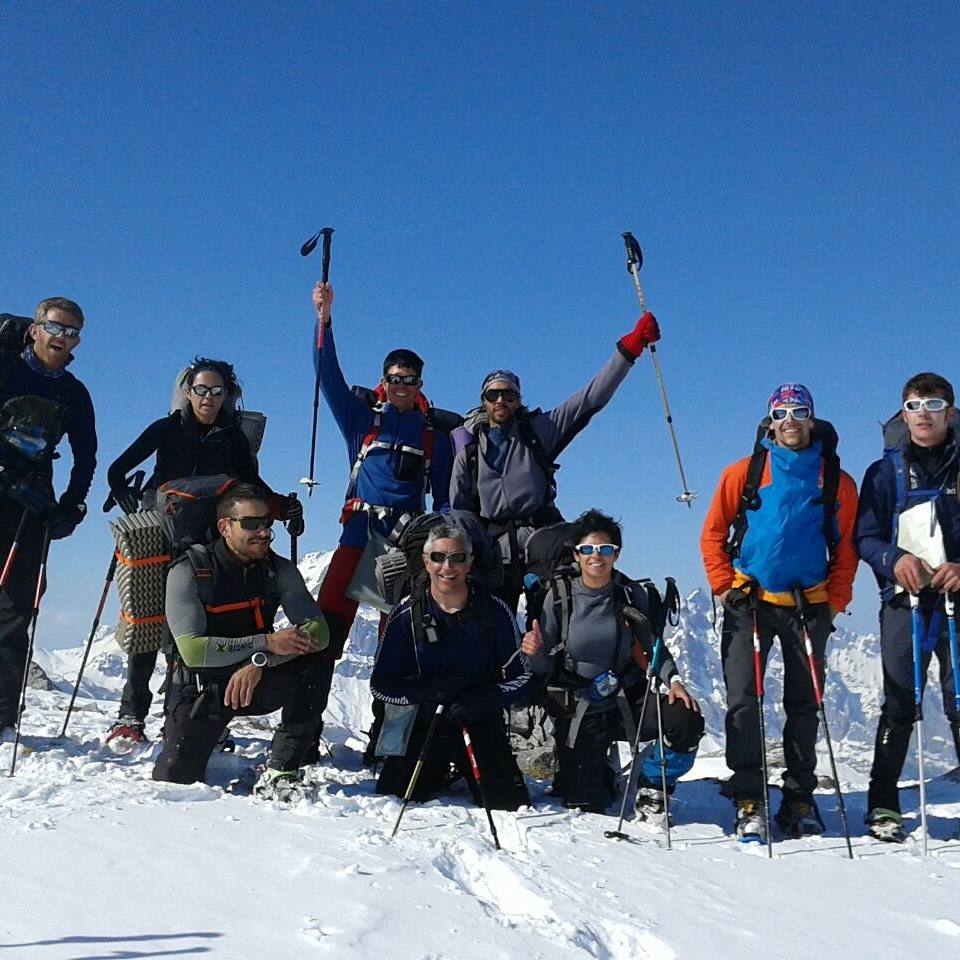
(407, 379)
(492, 396)
(201, 390)
(254, 523)
(454, 559)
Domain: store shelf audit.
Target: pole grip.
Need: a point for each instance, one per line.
(634, 253)
(325, 263)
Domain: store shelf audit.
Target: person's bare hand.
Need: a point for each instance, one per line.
(323, 301)
(912, 573)
(679, 692)
(290, 642)
(532, 641)
(946, 578)
(240, 688)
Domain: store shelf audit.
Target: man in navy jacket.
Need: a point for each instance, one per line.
(35, 387)
(908, 530)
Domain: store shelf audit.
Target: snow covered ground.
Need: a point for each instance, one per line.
(103, 863)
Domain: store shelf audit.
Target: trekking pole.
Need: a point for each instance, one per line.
(427, 740)
(758, 679)
(951, 610)
(34, 616)
(293, 536)
(634, 263)
(618, 834)
(305, 251)
(475, 769)
(917, 622)
(137, 484)
(663, 769)
(12, 553)
(111, 570)
(636, 618)
(801, 601)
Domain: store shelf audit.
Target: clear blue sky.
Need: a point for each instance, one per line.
(791, 173)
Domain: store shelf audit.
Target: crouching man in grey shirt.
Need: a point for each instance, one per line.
(221, 601)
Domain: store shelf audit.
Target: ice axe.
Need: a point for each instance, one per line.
(634, 263)
(305, 251)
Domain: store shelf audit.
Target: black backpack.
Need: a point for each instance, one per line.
(13, 338)
(189, 508)
(750, 499)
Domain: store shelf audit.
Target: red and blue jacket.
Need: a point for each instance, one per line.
(387, 476)
(784, 543)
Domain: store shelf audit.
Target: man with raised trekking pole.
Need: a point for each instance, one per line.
(908, 531)
(779, 529)
(504, 469)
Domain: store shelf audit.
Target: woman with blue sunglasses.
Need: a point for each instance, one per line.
(595, 676)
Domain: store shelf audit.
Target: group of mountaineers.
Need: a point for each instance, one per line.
(780, 545)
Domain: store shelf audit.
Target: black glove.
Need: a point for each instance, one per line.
(477, 703)
(441, 689)
(61, 521)
(33, 495)
(293, 516)
(126, 498)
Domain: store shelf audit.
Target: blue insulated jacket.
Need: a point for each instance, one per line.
(784, 544)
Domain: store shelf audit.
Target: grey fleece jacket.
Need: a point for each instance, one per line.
(596, 642)
(520, 488)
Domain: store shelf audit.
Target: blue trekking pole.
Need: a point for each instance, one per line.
(954, 654)
(917, 620)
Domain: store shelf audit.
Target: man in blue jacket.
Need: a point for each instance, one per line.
(40, 402)
(454, 644)
(908, 530)
(396, 453)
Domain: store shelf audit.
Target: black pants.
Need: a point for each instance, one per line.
(799, 704)
(137, 696)
(502, 780)
(584, 778)
(197, 716)
(898, 713)
(16, 603)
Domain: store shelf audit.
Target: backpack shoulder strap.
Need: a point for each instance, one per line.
(535, 445)
(365, 444)
(561, 586)
(749, 498)
(199, 559)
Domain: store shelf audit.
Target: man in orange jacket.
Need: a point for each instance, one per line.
(780, 520)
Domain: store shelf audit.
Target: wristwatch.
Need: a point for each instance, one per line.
(260, 659)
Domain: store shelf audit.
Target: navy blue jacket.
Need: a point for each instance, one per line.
(875, 535)
(18, 379)
(474, 643)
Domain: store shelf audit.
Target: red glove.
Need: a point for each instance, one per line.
(645, 332)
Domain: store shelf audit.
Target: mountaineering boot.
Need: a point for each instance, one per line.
(751, 825)
(127, 732)
(284, 786)
(8, 733)
(649, 802)
(799, 818)
(885, 825)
